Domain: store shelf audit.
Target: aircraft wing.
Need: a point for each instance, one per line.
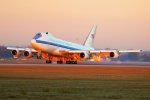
(21, 49)
(102, 51)
(85, 54)
(128, 51)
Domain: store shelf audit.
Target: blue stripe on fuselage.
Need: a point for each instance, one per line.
(56, 44)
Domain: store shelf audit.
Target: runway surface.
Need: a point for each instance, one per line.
(73, 71)
(73, 82)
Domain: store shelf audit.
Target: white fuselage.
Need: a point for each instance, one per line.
(46, 43)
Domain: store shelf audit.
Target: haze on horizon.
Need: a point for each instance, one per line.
(122, 24)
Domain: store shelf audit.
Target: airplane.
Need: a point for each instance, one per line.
(47, 46)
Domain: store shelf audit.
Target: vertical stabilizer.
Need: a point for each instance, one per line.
(89, 42)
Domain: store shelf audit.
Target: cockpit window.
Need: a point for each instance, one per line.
(39, 34)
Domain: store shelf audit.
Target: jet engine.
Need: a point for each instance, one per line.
(27, 54)
(84, 55)
(15, 53)
(114, 54)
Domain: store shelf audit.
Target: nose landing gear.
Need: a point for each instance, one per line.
(39, 56)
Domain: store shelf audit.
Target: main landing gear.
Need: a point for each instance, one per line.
(71, 62)
(67, 62)
(61, 62)
(48, 61)
(58, 62)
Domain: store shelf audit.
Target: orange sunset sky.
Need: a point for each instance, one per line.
(122, 24)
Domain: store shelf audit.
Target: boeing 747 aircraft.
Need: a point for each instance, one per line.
(53, 49)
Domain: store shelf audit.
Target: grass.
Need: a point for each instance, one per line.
(74, 89)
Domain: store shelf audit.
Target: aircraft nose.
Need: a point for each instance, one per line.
(33, 42)
(35, 45)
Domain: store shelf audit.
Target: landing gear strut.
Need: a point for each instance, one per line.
(39, 56)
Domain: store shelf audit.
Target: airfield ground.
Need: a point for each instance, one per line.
(74, 82)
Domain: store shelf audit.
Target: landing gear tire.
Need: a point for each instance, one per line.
(48, 61)
(71, 62)
(59, 62)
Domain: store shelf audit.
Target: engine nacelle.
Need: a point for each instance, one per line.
(84, 55)
(27, 54)
(114, 54)
(15, 53)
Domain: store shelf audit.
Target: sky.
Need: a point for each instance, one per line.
(121, 24)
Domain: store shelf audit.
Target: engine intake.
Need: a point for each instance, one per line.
(114, 54)
(14, 52)
(84, 55)
(28, 54)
